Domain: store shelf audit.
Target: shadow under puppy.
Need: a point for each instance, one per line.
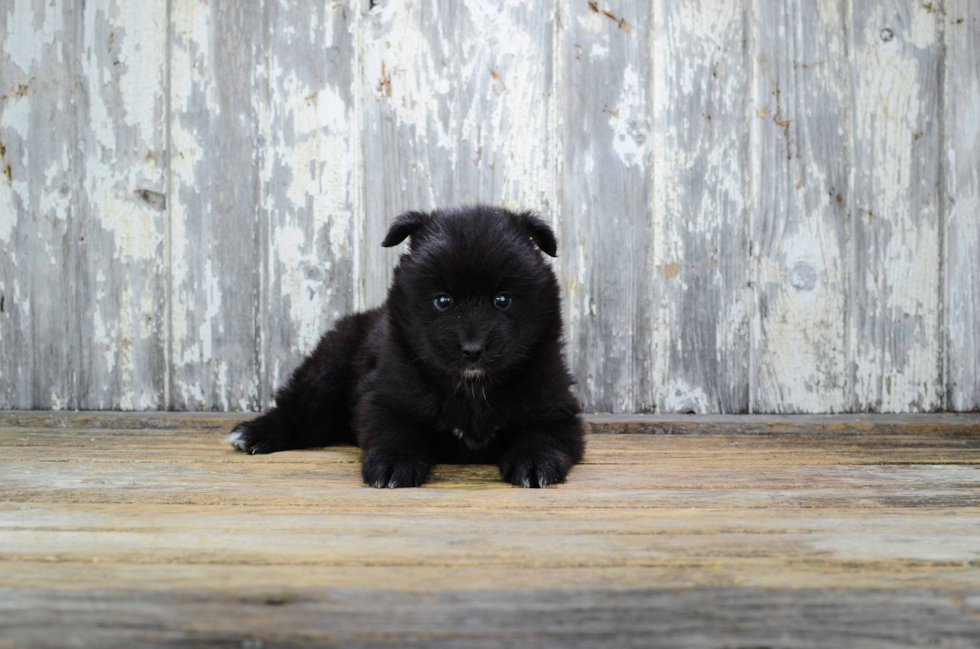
(462, 363)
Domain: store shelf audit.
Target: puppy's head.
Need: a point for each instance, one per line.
(474, 295)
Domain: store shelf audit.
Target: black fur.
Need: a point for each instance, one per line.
(397, 381)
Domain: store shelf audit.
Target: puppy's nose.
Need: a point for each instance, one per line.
(472, 350)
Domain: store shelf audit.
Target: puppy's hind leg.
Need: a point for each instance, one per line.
(312, 408)
(264, 434)
(309, 412)
(301, 419)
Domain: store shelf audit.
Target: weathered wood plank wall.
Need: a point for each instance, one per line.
(39, 206)
(762, 206)
(961, 203)
(800, 127)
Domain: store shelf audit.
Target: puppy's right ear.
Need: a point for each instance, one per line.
(406, 225)
(539, 231)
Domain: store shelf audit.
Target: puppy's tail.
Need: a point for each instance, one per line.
(314, 407)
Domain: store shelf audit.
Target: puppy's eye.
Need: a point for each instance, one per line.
(502, 301)
(443, 302)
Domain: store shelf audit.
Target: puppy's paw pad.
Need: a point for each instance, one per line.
(535, 469)
(382, 471)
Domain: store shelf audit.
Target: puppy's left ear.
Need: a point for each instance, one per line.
(406, 225)
(539, 231)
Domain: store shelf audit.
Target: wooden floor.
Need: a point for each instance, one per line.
(805, 532)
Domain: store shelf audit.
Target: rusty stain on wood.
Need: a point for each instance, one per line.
(670, 270)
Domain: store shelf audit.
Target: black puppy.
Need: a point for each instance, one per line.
(463, 363)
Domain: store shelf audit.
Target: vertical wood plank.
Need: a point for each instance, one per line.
(217, 75)
(122, 204)
(309, 178)
(38, 211)
(896, 63)
(456, 111)
(703, 301)
(800, 217)
(607, 266)
(962, 159)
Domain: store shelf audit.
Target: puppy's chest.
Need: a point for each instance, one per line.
(465, 417)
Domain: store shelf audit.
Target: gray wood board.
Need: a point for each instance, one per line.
(606, 260)
(962, 174)
(216, 257)
(682, 618)
(702, 90)
(39, 206)
(895, 290)
(121, 270)
(309, 180)
(800, 222)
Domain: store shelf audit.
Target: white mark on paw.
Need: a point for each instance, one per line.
(236, 441)
(542, 482)
(527, 483)
(392, 484)
(458, 433)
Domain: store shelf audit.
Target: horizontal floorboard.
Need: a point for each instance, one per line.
(148, 530)
(745, 617)
(669, 424)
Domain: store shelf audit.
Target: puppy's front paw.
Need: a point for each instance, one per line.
(255, 437)
(534, 468)
(381, 469)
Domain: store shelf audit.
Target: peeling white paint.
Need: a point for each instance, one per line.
(24, 46)
(679, 397)
(111, 180)
(629, 121)
(9, 213)
(14, 193)
(300, 288)
(923, 30)
(142, 37)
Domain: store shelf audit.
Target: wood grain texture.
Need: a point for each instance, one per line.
(121, 535)
(456, 111)
(490, 619)
(606, 235)
(961, 154)
(861, 424)
(896, 72)
(120, 287)
(702, 86)
(309, 180)
(800, 219)
(216, 257)
(39, 220)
